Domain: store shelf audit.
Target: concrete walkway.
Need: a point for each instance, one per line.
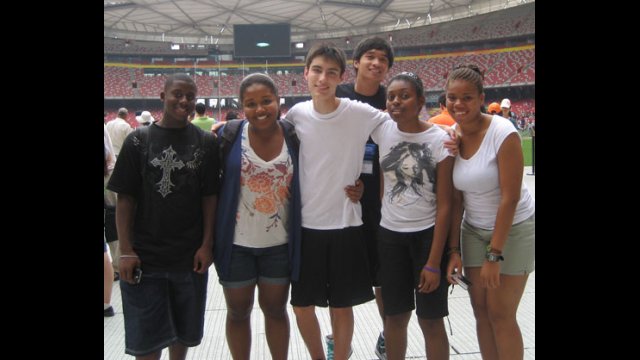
(463, 341)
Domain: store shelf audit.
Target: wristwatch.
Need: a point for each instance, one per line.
(494, 257)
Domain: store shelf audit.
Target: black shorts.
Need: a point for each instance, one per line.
(110, 231)
(371, 223)
(404, 256)
(334, 269)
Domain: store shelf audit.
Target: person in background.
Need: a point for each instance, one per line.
(496, 235)
(372, 59)
(444, 118)
(494, 109)
(109, 163)
(118, 130)
(416, 212)
(231, 115)
(201, 120)
(167, 182)
(145, 118)
(505, 108)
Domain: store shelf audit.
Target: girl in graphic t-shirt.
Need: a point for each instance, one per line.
(416, 199)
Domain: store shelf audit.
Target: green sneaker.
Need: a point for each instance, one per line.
(329, 340)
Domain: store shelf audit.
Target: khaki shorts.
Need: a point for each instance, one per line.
(519, 252)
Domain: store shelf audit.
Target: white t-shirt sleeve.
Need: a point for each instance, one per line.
(376, 134)
(503, 128)
(441, 152)
(291, 116)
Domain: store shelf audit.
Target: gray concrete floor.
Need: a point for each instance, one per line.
(464, 344)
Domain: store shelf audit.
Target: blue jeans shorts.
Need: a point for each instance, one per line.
(163, 308)
(252, 265)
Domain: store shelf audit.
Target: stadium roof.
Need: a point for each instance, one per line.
(211, 21)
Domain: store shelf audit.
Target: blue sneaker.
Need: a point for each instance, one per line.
(381, 350)
(329, 340)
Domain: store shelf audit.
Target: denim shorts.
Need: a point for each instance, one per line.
(519, 251)
(252, 265)
(163, 308)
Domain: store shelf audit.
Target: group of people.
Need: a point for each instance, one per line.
(278, 203)
(503, 109)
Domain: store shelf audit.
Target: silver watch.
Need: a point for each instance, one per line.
(494, 257)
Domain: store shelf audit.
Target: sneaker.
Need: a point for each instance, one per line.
(329, 340)
(381, 350)
(108, 312)
(116, 276)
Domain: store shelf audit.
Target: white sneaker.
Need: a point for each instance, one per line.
(381, 350)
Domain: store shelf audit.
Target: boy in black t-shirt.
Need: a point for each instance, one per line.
(372, 59)
(166, 180)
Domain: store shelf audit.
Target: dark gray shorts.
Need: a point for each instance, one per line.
(164, 308)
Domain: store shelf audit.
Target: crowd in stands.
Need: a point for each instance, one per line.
(503, 67)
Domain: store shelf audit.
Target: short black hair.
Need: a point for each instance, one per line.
(231, 115)
(373, 43)
(412, 79)
(200, 108)
(179, 77)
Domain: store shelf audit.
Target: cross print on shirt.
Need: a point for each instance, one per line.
(167, 163)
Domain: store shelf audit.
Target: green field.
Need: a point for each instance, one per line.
(526, 150)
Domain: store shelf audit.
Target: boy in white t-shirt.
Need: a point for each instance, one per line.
(334, 265)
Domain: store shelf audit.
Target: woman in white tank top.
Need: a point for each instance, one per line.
(497, 235)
